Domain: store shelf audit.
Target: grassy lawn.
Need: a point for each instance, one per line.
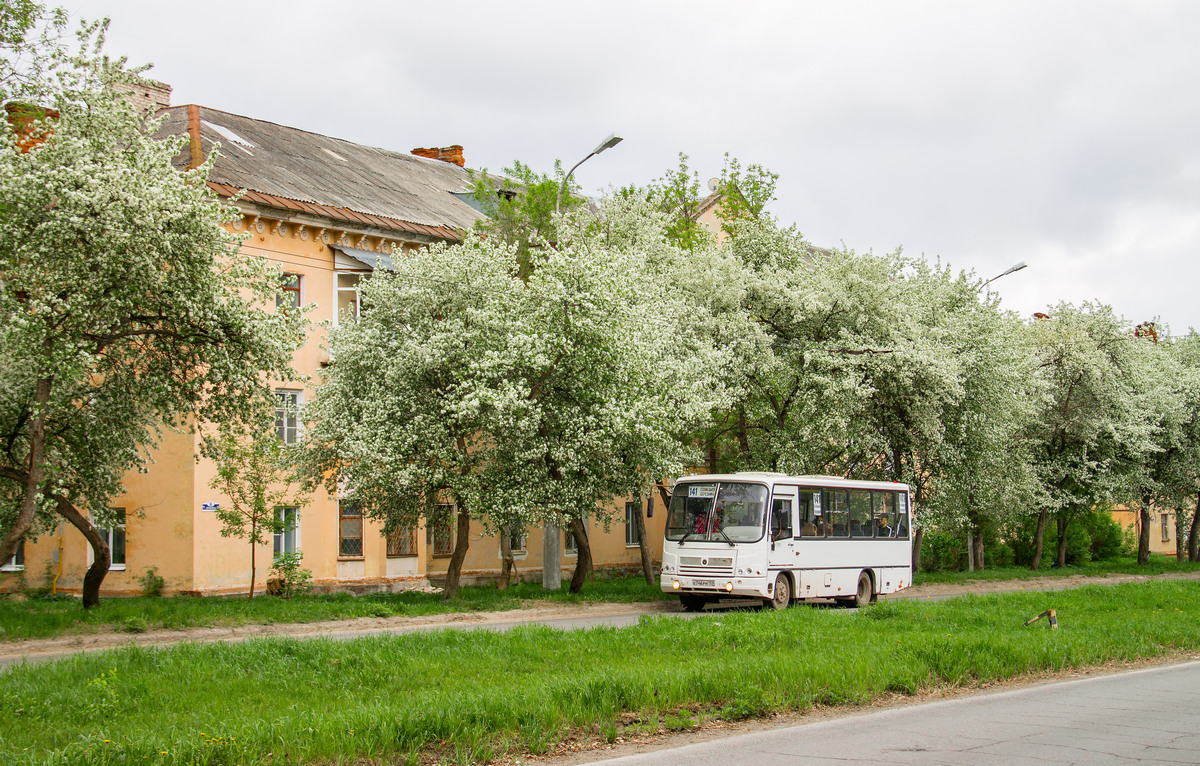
(1122, 565)
(469, 697)
(42, 618)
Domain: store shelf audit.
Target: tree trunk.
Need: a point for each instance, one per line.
(1180, 542)
(101, 558)
(918, 538)
(583, 555)
(1039, 541)
(978, 546)
(33, 477)
(1194, 535)
(462, 540)
(970, 549)
(1144, 532)
(743, 437)
(253, 555)
(1060, 557)
(643, 543)
(506, 557)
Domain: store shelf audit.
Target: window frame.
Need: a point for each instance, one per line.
(446, 513)
(343, 518)
(110, 536)
(279, 539)
(363, 275)
(632, 507)
(17, 562)
(286, 398)
(393, 539)
(290, 296)
(518, 534)
(1166, 527)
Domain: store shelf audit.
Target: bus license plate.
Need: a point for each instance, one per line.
(704, 583)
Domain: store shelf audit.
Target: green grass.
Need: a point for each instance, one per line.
(43, 618)
(1122, 565)
(471, 696)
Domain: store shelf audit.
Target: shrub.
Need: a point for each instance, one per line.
(286, 578)
(1106, 534)
(943, 552)
(152, 584)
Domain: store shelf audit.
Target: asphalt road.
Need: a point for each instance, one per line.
(1141, 717)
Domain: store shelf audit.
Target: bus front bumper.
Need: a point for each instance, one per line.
(715, 587)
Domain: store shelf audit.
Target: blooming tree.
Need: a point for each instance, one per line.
(1094, 429)
(124, 308)
(519, 400)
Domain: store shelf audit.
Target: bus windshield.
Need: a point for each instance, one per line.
(728, 512)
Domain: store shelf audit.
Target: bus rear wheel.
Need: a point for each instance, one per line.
(782, 593)
(865, 593)
(692, 603)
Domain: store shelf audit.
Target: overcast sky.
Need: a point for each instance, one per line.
(1062, 134)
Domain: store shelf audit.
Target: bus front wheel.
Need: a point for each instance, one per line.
(692, 603)
(782, 593)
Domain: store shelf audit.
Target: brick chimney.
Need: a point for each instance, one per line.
(452, 154)
(22, 118)
(149, 96)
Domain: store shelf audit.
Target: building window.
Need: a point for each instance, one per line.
(569, 545)
(439, 532)
(287, 416)
(631, 530)
(402, 541)
(350, 527)
(516, 538)
(115, 537)
(288, 296)
(349, 304)
(1166, 528)
(287, 541)
(17, 562)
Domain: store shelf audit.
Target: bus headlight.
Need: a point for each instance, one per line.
(675, 585)
(729, 587)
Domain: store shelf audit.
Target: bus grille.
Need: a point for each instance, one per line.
(705, 565)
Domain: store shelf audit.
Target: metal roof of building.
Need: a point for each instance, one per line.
(293, 169)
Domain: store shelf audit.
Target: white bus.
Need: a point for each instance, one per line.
(775, 537)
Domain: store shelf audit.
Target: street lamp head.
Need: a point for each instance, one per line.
(1015, 267)
(608, 143)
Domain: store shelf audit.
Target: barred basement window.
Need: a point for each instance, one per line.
(350, 527)
(402, 541)
(516, 538)
(439, 532)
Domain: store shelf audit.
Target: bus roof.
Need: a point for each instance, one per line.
(770, 477)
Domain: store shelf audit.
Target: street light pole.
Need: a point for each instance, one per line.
(1015, 267)
(606, 144)
(551, 534)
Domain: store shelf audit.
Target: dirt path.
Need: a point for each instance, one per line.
(35, 650)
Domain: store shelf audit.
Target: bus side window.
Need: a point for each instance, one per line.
(902, 516)
(860, 513)
(837, 513)
(885, 514)
(808, 513)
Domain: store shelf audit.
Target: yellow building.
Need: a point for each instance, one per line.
(329, 212)
(1163, 532)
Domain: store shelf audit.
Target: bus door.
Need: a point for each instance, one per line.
(780, 531)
